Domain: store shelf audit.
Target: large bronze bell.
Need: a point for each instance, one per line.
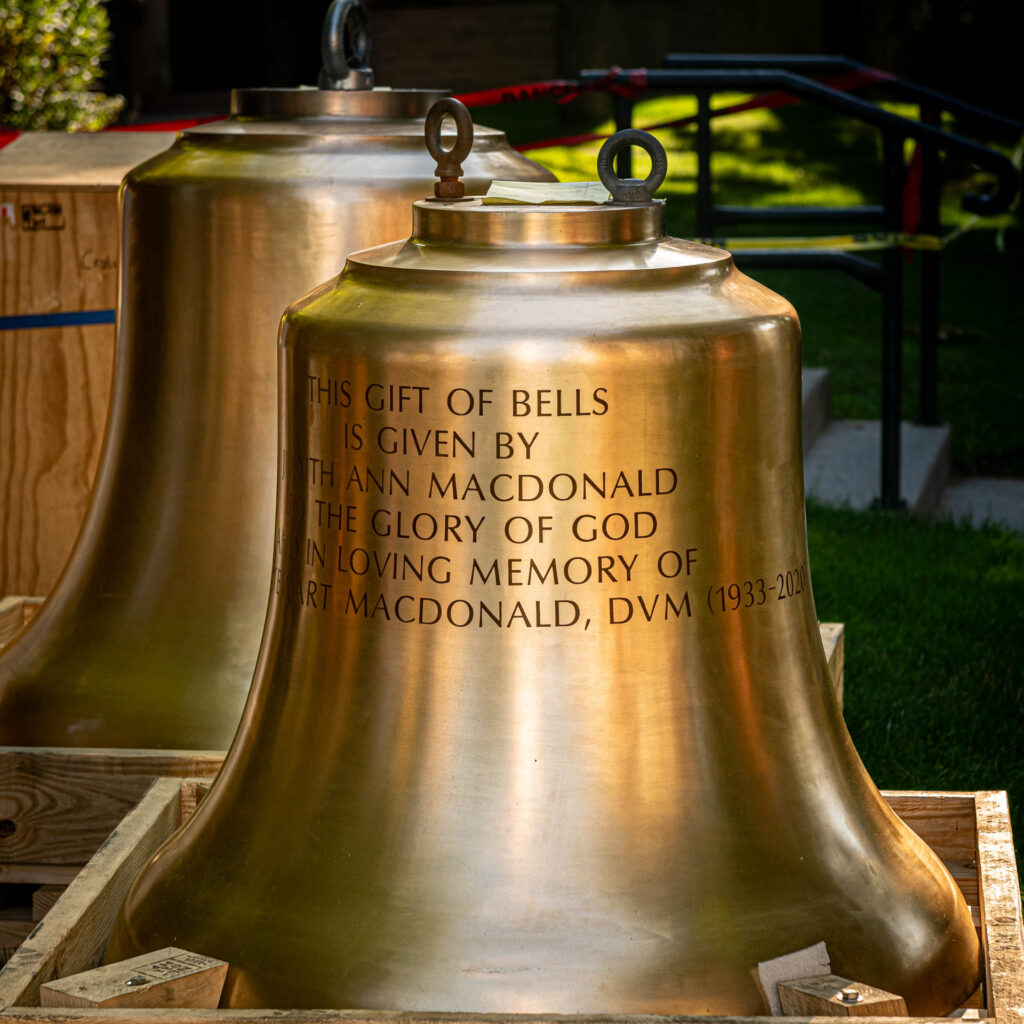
(150, 637)
(541, 720)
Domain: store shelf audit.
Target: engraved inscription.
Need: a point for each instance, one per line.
(447, 507)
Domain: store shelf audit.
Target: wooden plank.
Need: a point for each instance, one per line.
(54, 381)
(54, 395)
(192, 793)
(46, 1015)
(74, 934)
(15, 925)
(945, 821)
(824, 994)
(59, 241)
(62, 803)
(833, 639)
(44, 898)
(39, 874)
(965, 874)
(166, 977)
(60, 254)
(15, 612)
(976, 1000)
(83, 159)
(1002, 929)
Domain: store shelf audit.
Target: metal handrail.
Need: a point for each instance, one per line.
(773, 73)
(761, 80)
(816, 64)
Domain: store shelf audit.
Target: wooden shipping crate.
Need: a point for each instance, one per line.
(59, 238)
(57, 807)
(962, 828)
(15, 614)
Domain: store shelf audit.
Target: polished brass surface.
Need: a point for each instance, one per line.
(541, 720)
(150, 637)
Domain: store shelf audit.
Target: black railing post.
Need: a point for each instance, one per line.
(622, 107)
(705, 200)
(892, 323)
(930, 224)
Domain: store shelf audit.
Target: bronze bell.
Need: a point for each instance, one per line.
(150, 637)
(542, 720)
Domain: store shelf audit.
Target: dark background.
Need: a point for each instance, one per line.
(183, 56)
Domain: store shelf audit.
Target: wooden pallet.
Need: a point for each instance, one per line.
(969, 831)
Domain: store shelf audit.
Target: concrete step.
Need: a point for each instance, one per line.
(843, 467)
(985, 501)
(817, 402)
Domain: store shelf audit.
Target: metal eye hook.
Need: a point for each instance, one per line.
(345, 47)
(631, 190)
(449, 161)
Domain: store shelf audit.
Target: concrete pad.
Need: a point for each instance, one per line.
(817, 403)
(844, 467)
(986, 500)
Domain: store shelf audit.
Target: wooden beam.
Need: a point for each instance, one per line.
(87, 792)
(74, 934)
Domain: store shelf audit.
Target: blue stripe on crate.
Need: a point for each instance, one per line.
(80, 319)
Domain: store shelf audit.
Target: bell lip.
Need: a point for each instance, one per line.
(308, 101)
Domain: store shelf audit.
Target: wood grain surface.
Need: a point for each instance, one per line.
(54, 395)
(59, 240)
(165, 977)
(1002, 923)
(62, 804)
(73, 936)
(15, 613)
(54, 381)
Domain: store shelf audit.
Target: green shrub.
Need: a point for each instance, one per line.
(50, 53)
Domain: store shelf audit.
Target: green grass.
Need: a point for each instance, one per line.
(981, 362)
(935, 631)
(934, 635)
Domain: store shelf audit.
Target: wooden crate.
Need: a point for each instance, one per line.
(57, 807)
(59, 235)
(15, 613)
(967, 830)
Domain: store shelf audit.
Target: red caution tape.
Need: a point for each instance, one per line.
(554, 88)
(766, 101)
(562, 89)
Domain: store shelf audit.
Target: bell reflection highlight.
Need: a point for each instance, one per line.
(542, 721)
